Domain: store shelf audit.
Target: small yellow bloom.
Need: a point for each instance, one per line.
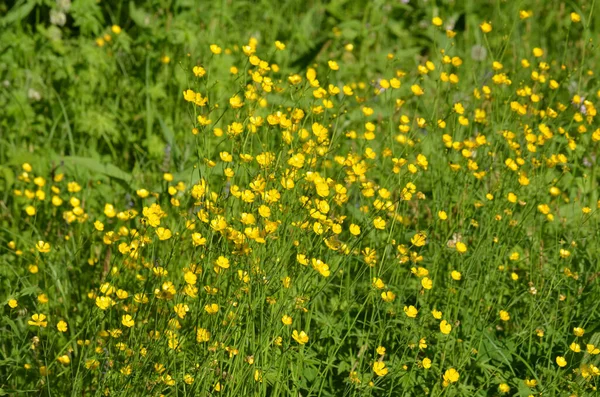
(333, 65)
(417, 90)
(560, 360)
(354, 229)
(38, 320)
(486, 27)
(127, 321)
(300, 337)
(163, 233)
(211, 308)
(202, 335)
(379, 368)
(426, 363)
(451, 376)
(64, 359)
(411, 311)
(388, 296)
(419, 239)
(578, 331)
(43, 247)
(575, 17)
(62, 326)
(426, 283)
(445, 328)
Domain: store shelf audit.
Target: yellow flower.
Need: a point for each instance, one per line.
(286, 320)
(202, 335)
(127, 320)
(236, 102)
(578, 331)
(300, 337)
(436, 314)
(215, 49)
(181, 309)
(354, 229)
(388, 296)
(211, 308)
(190, 278)
(38, 320)
(437, 21)
(163, 233)
(197, 239)
(445, 328)
(575, 17)
(92, 364)
(456, 275)
(62, 326)
(591, 349)
(461, 247)
(99, 226)
(411, 311)
(504, 388)
(379, 368)
(560, 360)
(426, 363)
(43, 247)
(321, 267)
(419, 239)
(103, 302)
(379, 223)
(279, 45)
(109, 210)
(199, 71)
(575, 347)
(12, 303)
(417, 90)
(64, 359)
(525, 14)
(486, 27)
(504, 315)
(222, 262)
(530, 383)
(451, 376)
(426, 282)
(333, 65)
(442, 215)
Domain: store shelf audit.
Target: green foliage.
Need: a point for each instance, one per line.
(94, 128)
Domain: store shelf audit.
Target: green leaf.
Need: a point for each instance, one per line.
(8, 177)
(94, 165)
(17, 13)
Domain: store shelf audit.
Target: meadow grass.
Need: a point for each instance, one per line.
(387, 198)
